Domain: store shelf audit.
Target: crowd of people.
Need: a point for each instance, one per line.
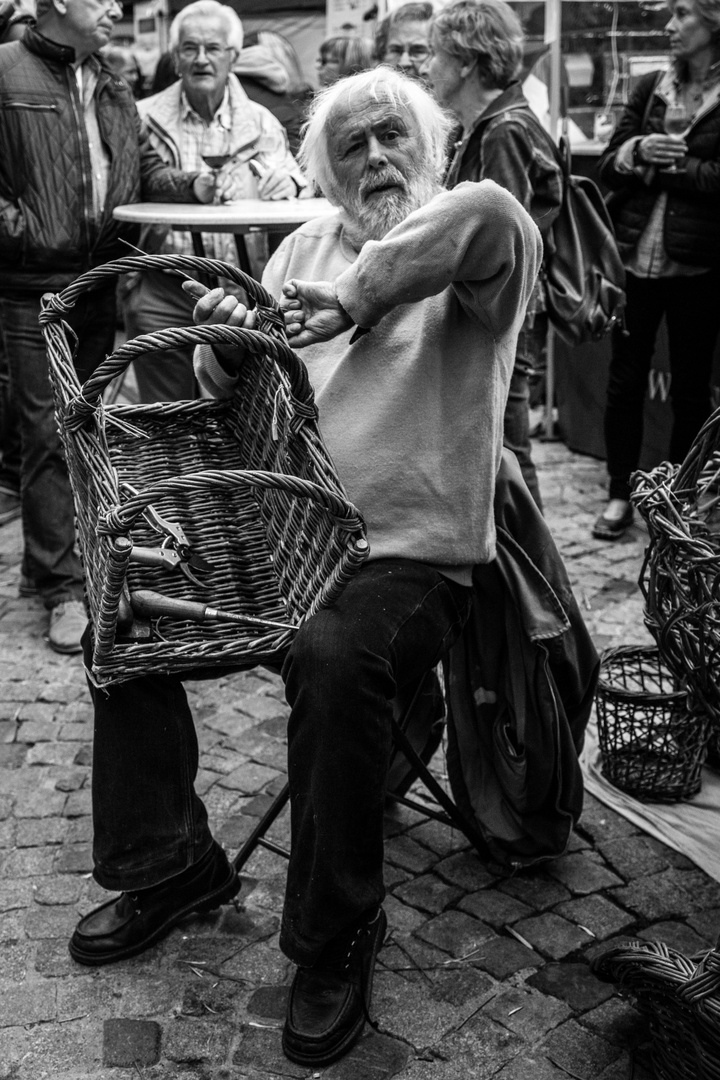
(419, 309)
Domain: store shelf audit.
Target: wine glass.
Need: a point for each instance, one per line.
(676, 123)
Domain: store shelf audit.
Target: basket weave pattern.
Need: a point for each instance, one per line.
(651, 746)
(249, 480)
(681, 999)
(680, 577)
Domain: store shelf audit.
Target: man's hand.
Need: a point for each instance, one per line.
(222, 187)
(276, 184)
(312, 312)
(217, 308)
(204, 187)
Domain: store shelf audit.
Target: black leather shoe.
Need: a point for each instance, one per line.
(613, 529)
(329, 1002)
(132, 922)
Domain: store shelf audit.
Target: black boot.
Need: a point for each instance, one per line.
(329, 1001)
(131, 922)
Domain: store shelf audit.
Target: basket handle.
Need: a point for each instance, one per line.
(122, 518)
(268, 338)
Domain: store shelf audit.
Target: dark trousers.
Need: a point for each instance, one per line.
(691, 306)
(9, 429)
(47, 506)
(516, 422)
(156, 303)
(393, 622)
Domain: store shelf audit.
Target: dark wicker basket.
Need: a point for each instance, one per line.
(681, 999)
(680, 577)
(249, 480)
(651, 745)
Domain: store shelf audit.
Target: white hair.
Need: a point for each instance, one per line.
(209, 9)
(381, 84)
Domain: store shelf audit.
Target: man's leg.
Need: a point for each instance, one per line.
(152, 841)
(157, 302)
(392, 623)
(693, 318)
(516, 423)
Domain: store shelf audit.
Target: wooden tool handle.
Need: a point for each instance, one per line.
(153, 605)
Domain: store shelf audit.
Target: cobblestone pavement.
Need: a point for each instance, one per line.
(481, 976)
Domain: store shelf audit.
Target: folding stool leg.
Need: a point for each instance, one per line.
(257, 837)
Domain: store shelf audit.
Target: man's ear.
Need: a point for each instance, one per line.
(61, 6)
(467, 69)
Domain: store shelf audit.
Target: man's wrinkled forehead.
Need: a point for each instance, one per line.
(353, 111)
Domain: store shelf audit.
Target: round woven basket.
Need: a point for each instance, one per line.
(652, 745)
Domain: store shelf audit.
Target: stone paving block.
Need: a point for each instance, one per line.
(410, 1012)
(573, 983)
(415, 960)
(704, 890)
(35, 731)
(58, 889)
(601, 823)
(16, 959)
(537, 892)
(16, 895)
(270, 1002)
(627, 1065)
(657, 896)
(71, 1051)
(83, 755)
(617, 1021)
(262, 1045)
(409, 855)
(401, 918)
(633, 857)
(552, 935)
(28, 862)
(33, 1002)
(79, 804)
(460, 985)
(74, 859)
(50, 922)
(578, 1051)
(533, 1064)
(259, 706)
(428, 893)
(38, 711)
(706, 923)
(502, 957)
(12, 757)
(248, 778)
(8, 833)
(440, 838)
(583, 873)
(38, 802)
(596, 913)
(456, 933)
(130, 1043)
(677, 935)
(466, 871)
(526, 1012)
(80, 830)
(190, 1041)
(495, 908)
(6, 805)
(375, 1056)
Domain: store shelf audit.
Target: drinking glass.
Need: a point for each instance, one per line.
(676, 123)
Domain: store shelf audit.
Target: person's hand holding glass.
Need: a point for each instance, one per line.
(676, 125)
(216, 152)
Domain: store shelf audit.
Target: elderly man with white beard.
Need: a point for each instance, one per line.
(407, 304)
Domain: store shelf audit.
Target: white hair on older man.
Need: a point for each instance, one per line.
(209, 9)
(381, 84)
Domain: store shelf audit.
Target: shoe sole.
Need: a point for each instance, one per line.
(204, 904)
(353, 1035)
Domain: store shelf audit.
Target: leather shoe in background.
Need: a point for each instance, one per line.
(132, 922)
(330, 1001)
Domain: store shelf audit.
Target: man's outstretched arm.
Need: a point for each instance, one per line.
(312, 312)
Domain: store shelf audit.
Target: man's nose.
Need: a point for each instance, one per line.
(670, 24)
(377, 156)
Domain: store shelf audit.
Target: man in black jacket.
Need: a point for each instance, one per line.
(72, 151)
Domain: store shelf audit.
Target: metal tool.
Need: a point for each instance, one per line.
(175, 552)
(153, 605)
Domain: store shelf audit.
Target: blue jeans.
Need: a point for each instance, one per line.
(692, 309)
(393, 622)
(47, 507)
(516, 424)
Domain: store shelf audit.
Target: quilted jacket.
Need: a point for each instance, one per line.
(691, 229)
(48, 234)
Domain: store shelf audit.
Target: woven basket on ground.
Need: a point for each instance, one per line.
(248, 479)
(680, 577)
(681, 999)
(651, 745)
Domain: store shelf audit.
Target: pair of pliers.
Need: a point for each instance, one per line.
(175, 552)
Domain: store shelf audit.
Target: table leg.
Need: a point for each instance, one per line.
(197, 243)
(242, 254)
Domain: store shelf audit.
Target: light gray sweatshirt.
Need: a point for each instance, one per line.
(412, 412)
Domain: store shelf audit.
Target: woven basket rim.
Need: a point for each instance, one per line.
(652, 697)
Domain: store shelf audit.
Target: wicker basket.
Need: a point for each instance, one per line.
(651, 745)
(248, 479)
(680, 577)
(681, 999)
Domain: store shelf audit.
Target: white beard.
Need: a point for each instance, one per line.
(373, 220)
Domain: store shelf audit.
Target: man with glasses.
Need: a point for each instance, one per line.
(204, 120)
(401, 39)
(72, 150)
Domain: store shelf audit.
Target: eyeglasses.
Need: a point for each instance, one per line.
(415, 52)
(212, 52)
(323, 61)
